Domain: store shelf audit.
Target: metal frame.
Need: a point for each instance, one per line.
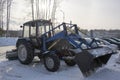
(61, 35)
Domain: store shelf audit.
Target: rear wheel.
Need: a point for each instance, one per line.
(51, 62)
(25, 53)
(70, 62)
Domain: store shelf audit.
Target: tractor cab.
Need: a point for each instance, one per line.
(34, 31)
(36, 28)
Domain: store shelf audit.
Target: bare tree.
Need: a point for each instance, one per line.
(44, 9)
(32, 7)
(54, 10)
(8, 16)
(2, 5)
(56, 4)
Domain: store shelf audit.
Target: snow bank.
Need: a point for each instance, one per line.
(7, 41)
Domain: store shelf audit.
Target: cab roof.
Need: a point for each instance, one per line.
(39, 22)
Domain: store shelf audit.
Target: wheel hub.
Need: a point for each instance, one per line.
(49, 62)
(22, 53)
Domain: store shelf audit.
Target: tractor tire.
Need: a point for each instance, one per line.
(51, 62)
(25, 52)
(70, 62)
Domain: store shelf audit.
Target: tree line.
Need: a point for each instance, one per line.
(5, 6)
(40, 9)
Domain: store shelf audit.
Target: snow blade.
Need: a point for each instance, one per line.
(88, 63)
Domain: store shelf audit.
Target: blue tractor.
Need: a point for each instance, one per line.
(63, 42)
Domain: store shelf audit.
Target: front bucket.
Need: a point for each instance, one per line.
(88, 63)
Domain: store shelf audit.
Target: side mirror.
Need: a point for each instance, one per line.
(21, 26)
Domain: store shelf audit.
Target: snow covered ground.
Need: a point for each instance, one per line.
(6, 48)
(13, 70)
(7, 41)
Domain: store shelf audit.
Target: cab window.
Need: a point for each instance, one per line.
(26, 31)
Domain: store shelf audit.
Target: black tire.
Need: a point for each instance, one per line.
(12, 58)
(70, 62)
(55, 59)
(29, 52)
(11, 55)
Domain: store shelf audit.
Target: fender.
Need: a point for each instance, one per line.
(22, 40)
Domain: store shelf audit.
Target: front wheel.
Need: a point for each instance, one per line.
(51, 62)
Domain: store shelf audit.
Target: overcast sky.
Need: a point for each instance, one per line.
(88, 14)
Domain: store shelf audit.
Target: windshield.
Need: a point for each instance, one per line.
(33, 31)
(40, 30)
